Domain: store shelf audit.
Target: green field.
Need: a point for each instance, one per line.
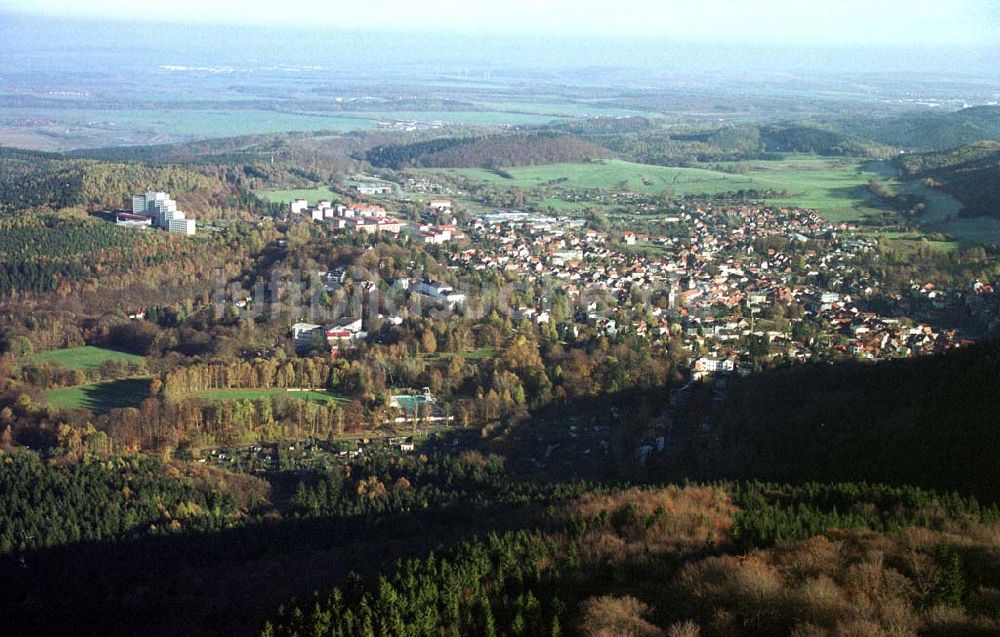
(474, 355)
(837, 188)
(608, 175)
(910, 245)
(834, 187)
(312, 195)
(101, 397)
(86, 357)
(316, 397)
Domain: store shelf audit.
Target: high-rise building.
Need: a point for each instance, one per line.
(182, 226)
(164, 212)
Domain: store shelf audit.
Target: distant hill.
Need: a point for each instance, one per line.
(801, 138)
(647, 141)
(513, 149)
(969, 173)
(927, 130)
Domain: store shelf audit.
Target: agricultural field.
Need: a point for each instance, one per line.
(941, 215)
(462, 118)
(610, 174)
(66, 128)
(313, 396)
(911, 245)
(101, 397)
(835, 187)
(559, 109)
(312, 195)
(72, 128)
(83, 358)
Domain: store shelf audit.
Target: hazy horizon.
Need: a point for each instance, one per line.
(24, 36)
(823, 22)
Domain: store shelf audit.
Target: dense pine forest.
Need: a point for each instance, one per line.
(660, 562)
(923, 422)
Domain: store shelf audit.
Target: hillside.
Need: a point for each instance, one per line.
(514, 149)
(804, 138)
(646, 141)
(927, 130)
(32, 180)
(928, 422)
(969, 173)
(686, 562)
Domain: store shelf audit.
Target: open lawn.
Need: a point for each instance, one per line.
(312, 195)
(101, 397)
(86, 357)
(317, 397)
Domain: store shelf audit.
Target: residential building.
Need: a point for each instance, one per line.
(163, 211)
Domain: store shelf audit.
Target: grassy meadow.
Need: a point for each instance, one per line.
(101, 397)
(83, 358)
(835, 187)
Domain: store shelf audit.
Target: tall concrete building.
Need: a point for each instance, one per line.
(164, 212)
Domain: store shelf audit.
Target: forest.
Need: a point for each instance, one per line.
(661, 562)
(924, 422)
(518, 557)
(970, 173)
(512, 149)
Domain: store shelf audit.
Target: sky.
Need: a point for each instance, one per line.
(899, 23)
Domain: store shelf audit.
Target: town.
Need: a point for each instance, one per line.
(734, 303)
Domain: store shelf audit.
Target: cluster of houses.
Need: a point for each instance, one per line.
(704, 283)
(372, 218)
(707, 282)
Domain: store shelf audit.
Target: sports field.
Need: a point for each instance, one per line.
(316, 397)
(312, 195)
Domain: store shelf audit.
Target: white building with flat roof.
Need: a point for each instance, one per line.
(182, 226)
(163, 211)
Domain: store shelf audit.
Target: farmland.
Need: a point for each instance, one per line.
(86, 357)
(834, 187)
(607, 175)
